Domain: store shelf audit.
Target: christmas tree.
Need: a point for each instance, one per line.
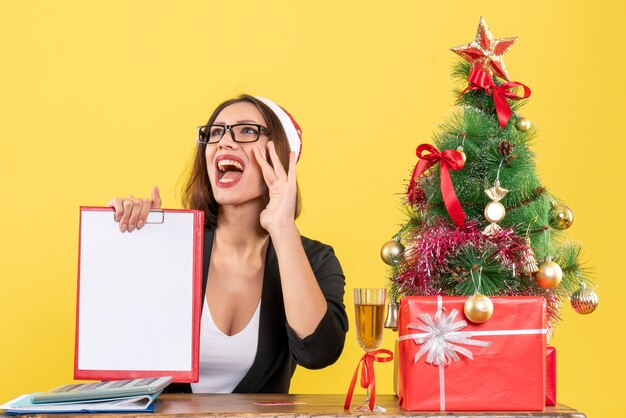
(479, 221)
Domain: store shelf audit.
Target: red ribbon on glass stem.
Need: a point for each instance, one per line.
(366, 364)
(481, 80)
(448, 160)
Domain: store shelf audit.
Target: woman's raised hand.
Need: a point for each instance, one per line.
(280, 210)
(132, 213)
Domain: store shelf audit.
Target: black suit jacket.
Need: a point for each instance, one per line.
(279, 349)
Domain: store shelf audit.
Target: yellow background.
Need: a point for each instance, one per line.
(100, 99)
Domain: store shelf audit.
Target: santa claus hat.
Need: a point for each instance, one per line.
(289, 124)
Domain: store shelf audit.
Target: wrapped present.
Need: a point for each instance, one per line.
(395, 369)
(447, 363)
(550, 376)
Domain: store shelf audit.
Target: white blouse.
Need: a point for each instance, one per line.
(225, 359)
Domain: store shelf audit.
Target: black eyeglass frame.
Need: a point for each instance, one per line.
(260, 130)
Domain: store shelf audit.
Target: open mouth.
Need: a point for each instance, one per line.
(229, 170)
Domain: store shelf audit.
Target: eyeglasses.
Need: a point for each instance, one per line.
(239, 132)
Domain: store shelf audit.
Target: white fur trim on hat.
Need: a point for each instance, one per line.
(293, 131)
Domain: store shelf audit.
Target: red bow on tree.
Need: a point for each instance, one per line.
(367, 375)
(479, 79)
(448, 160)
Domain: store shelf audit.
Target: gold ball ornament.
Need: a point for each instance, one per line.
(494, 212)
(562, 217)
(584, 301)
(522, 124)
(391, 252)
(460, 149)
(549, 274)
(478, 308)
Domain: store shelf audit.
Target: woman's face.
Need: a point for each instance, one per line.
(234, 173)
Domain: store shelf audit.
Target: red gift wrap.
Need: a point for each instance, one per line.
(550, 376)
(447, 363)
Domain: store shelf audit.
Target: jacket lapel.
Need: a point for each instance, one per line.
(272, 337)
(209, 233)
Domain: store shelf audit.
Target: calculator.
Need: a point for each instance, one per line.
(103, 390)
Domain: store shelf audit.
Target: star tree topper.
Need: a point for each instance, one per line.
(486, 52)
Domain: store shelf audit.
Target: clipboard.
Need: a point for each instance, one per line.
(138, 296)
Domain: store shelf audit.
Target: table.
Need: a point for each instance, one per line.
(301, 406)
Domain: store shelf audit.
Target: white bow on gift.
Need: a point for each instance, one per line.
(441, 338)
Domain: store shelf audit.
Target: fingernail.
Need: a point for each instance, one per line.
(131, 228)
(124, 227)
(140, 224)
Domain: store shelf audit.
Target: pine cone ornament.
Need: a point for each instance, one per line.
(505, 148)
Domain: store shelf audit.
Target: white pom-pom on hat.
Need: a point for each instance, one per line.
(289, 124)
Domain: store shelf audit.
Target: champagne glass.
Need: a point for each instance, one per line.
(369, 306)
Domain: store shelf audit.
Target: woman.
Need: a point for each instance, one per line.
(272, 299)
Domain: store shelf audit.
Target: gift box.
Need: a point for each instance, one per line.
(447, 363)
(550, 376)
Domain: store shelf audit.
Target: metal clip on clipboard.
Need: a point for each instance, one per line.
(155, 216)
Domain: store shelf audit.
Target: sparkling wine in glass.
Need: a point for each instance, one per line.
(369, 305)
